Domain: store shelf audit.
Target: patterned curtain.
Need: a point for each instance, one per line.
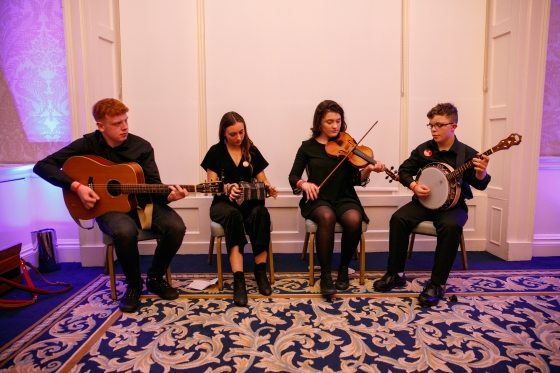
(34, 112)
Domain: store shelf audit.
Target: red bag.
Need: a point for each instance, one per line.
(11, 269)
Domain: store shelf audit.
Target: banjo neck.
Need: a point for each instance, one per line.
(459, 170)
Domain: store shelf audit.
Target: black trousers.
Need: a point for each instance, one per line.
(123, 228)
(449, 226)
(251, 217)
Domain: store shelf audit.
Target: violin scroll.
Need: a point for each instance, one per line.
(393, 175)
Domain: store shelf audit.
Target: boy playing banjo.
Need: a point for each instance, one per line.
(449, 218)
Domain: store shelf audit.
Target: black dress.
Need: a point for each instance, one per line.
(251, 217)
(338, 192)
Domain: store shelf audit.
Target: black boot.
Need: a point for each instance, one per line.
(342, 281)
(239, 289)
(327, 286)
(262, 280)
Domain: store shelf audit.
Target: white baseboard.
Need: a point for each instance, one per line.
(546, 245)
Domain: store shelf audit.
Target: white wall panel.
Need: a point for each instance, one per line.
(446, 65)
(159, 67)
(273, 62)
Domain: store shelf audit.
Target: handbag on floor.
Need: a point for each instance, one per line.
(12, 266)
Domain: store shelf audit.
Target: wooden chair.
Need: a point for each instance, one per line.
(311, 229)
(217, 231)
(143, 235)
(427, 228)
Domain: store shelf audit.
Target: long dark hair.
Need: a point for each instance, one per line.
(322, 109)
(229, 119)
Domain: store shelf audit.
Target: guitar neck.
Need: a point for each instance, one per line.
(459, 170)
(150, 188)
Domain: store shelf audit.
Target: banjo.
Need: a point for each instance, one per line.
(441, 178)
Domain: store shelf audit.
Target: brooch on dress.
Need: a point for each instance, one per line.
(245, 164)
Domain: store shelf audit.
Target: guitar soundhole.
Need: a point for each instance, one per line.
(114, 188)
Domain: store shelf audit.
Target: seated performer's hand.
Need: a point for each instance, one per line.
(378, 167)
(233, 191)
(311, 190)
(177, 193)
(421, 190)
(480, 165)
(86, 194)
(272, 191)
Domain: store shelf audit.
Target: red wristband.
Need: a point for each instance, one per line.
(78, 187)
(414, 187)
(300, 183)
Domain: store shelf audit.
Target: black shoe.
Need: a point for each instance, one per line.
(389, 281)
(162, 288)
(130, 300)
(239, 289)
(431, 295)
(262, 280)
(342, 281)
(327, 286)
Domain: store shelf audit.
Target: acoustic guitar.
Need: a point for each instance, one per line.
(116, 185)
(441, 178)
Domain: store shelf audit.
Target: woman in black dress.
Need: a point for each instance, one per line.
(238, 160)
(337, 199)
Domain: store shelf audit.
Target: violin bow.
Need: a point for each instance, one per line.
(347, 154)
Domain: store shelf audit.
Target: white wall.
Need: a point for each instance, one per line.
(185, 64)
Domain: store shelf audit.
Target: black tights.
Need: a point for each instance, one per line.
(325, 218)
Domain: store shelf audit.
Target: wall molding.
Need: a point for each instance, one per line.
(549, 163)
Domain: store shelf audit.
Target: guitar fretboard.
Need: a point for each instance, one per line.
(149, 188)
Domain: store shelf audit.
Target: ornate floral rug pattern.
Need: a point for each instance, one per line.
(502, 321)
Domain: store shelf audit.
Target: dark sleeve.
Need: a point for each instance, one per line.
(258, 161)
(300, 162)
(409, 168)
(470, 174)
(211, 161)
(49, 168)
(151, 175)
(356, 178)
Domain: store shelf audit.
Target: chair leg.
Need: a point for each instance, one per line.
(464, 252)
(362, 260)
(219, 264)
(107, 258)
(311, 255)
(210, 250)
(110, 265)
(411, 245)
(304, 251)
(270, 262)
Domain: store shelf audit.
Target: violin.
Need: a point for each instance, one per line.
(345, 147)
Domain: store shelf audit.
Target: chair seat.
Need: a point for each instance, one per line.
(426, 228)
(311, 227)
(143, 235)
(216, 230)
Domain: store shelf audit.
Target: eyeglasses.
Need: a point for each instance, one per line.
(437, 125)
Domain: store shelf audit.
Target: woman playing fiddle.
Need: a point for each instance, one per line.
(240, 160)
(336, 200)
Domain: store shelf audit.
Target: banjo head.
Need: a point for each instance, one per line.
(434, 176)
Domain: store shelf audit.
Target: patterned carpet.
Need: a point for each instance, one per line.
(502, 321)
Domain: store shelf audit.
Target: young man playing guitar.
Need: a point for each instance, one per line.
(448, 219)
(113, 142)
